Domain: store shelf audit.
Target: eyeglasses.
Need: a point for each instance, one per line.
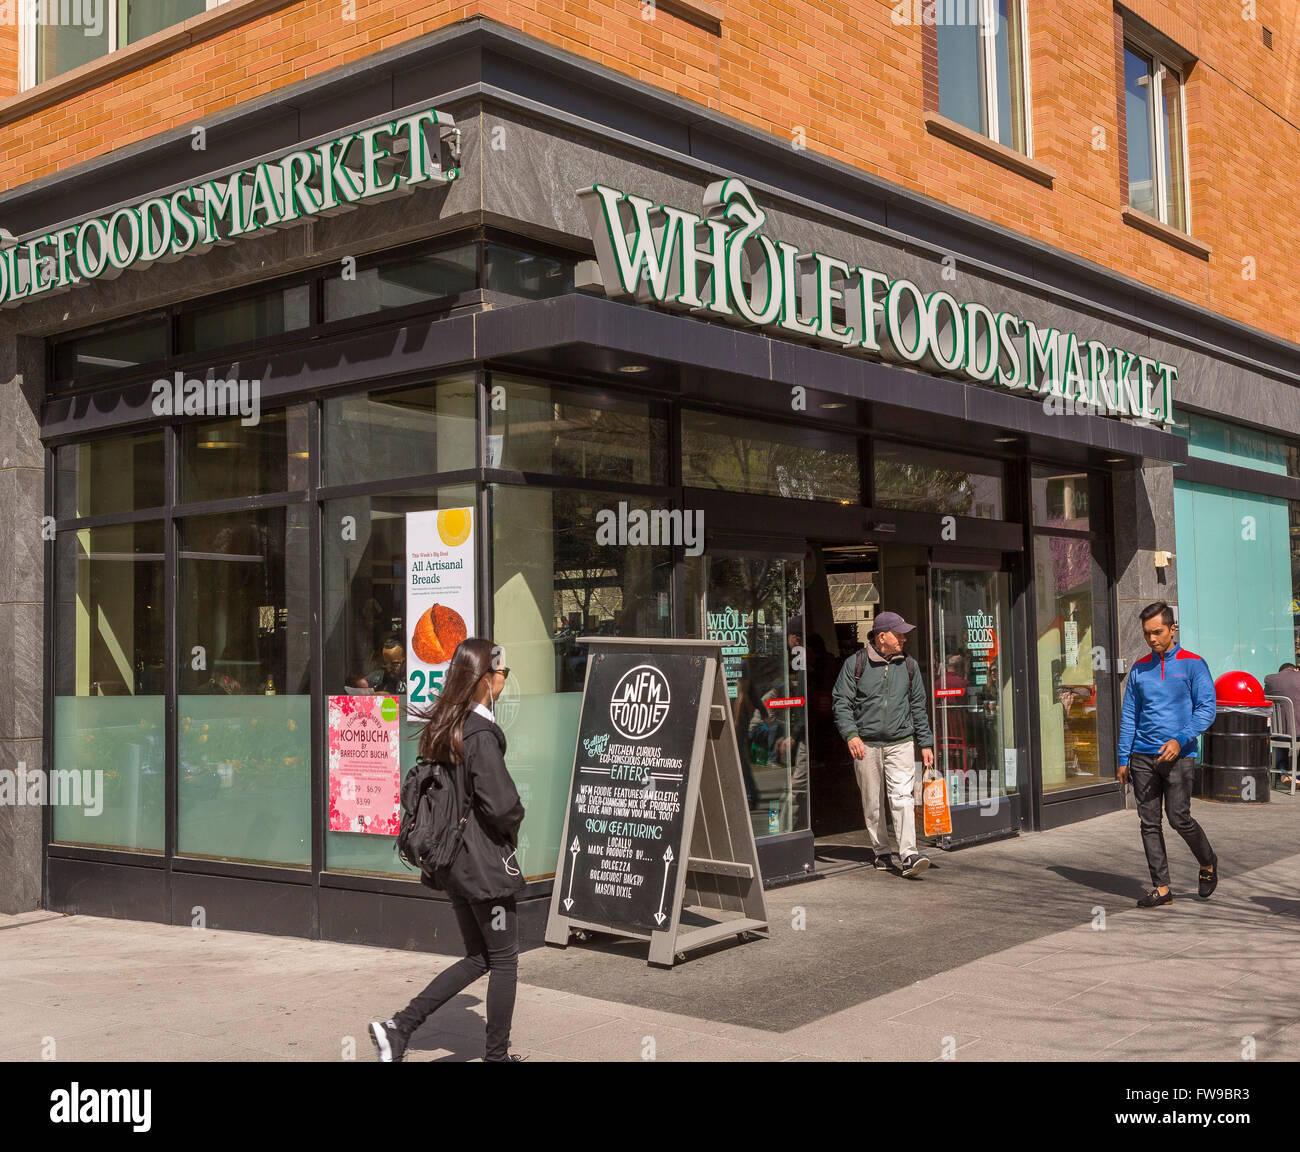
(505, 672)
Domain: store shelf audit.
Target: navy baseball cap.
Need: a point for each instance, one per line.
(891, 622)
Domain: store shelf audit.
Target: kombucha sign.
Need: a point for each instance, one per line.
(721, 261)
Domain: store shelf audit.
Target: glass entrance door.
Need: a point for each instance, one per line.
(974, 698)
(753, 605)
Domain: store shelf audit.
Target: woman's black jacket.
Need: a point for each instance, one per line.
(485, 867)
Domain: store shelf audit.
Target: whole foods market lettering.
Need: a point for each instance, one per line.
(372, 163)
(721, 262)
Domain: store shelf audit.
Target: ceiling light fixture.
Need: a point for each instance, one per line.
(835, 405)
(1005, 439)
(634, 368)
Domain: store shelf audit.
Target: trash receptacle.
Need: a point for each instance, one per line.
(1235, 755)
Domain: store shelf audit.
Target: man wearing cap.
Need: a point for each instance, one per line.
(1168, 702)
(879, 706)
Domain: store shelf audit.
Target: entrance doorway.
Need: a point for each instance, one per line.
(962, 644)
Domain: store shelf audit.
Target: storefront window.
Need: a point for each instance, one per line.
(394, 432)
(1074, 662)
(737, 455)
(364, 544)
(555, 578)
(538, 427)
(1237, 567)
(121, 474)
(244, 709)
(402, 283)
(519, 273)
(109, 747)
(926, 480)
(1060, 498)
(246, 319)
(223, 459)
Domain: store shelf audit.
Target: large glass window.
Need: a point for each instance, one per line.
(539, 427)
(981, 68)
(109, 643)
(364, 545)
(401, 283)
(927, 480)
(1074, 662)
(1236, 589)
(558, 574)
(243, 704)
(1153, 109)
(395, 432)
(737, 455)
(121, 474)
(226, 458)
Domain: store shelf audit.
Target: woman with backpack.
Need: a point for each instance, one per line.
(484, 875)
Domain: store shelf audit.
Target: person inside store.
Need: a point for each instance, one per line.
(880, 711)
(357, 686)
(1285, 682)
(1168, 702)
(389, 678)
(484, 877)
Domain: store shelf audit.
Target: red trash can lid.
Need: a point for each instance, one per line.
(1240, 689)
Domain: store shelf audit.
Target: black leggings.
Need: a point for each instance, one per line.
(491, 934)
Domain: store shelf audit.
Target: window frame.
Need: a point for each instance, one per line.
(27, 40)
(1162, 66)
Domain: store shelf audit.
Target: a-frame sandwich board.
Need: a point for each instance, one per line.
(656, 770)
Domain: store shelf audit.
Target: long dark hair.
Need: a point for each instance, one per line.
(441, 738)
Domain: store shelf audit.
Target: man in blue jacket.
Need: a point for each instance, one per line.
(1168, 702)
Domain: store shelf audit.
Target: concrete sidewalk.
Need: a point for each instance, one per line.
(997, 953)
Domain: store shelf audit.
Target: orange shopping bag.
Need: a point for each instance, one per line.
(938, 816)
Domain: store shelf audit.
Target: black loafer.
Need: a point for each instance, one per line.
(1209, 880)
(1153, 899)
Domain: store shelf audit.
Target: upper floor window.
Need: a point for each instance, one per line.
(982, 68)
(1153, 117)
(64, 34)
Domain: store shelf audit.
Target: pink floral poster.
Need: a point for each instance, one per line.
(364, 765)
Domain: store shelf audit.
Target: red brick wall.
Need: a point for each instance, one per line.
(848, 81)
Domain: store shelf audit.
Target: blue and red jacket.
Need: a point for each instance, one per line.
(1169, 697)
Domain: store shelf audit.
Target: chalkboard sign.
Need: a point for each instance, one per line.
(635, 741)
(656, 808)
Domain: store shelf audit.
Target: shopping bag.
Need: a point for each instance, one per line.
(938, 816)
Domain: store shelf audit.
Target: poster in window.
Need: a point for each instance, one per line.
(364, 764)
(439, 598)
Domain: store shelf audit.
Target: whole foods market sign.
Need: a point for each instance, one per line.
(721, 262)
(368, 164)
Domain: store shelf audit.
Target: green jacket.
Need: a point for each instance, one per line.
(882, 707)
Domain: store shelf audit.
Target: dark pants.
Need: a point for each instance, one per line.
(487, 949)
(1174, 782)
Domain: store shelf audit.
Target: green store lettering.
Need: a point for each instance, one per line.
(721, 262)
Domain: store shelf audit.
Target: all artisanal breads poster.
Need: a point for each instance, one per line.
(439, 597)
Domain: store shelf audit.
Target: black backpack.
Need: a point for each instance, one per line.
(433, 820)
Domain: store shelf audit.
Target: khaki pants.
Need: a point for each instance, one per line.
(889, 768)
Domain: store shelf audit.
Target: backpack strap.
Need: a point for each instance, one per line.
(861, 662)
